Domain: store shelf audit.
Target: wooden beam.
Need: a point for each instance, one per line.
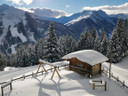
(55, 70)
(41, 65)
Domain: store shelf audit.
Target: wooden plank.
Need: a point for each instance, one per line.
(80, 68)
(53, 74)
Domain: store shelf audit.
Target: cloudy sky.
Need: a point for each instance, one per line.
(72, 6)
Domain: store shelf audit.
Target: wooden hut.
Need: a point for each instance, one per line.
(85, 61)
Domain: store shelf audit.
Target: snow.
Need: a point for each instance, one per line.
(71, 84)
(15, 33)
(90, 56)
(77, 19)
(10, 74)
(119, 70)
(60, 63)
(13, 48)
(31, 36)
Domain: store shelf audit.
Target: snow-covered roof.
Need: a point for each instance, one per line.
(91, 57)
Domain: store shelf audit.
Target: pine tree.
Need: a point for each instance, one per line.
(66, 45)
(120, 28)
(103, 42)
(2, 62)
(115, 47)
(95, 41)
(126, 38)
(51, 46)
(39, 49)
(84, 41)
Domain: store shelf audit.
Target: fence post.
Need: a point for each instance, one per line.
(105, 86)
(11, 85)
(112, 74)
(2, 92)
(32, 74)
(93, 86)
(117, 78)
(24, 76)
(123, 83)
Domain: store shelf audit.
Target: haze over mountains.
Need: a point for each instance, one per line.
(18, 26)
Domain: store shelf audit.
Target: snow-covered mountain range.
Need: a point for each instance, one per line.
(89, 19)
(17, 27)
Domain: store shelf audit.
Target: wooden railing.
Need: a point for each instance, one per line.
(122, 82)
(5, 84)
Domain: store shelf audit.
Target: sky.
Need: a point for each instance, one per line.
(71, 6)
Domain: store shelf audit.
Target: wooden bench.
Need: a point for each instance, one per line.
(98, 83)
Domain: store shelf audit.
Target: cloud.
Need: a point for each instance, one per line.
(25, 9)
(20, 2)
(47, 12)
(110, 9)
(68, 6)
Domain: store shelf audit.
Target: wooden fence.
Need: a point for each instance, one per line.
(115, 78)
(5, 84)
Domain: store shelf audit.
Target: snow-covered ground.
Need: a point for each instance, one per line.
(11, 73)
(71, 83)
(120, 69)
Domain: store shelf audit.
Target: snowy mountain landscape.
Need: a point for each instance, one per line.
(61, 48)
(18, 27)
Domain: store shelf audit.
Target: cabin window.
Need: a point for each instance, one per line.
(80, 65)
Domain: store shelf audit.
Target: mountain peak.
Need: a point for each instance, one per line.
(4, 7)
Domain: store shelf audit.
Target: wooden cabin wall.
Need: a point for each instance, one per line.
(78, 63)
(96, 69)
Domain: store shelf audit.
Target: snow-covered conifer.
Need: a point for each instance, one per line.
(84, 41)
(51, 46)
(66, 44)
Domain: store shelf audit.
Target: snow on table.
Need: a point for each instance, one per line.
(72, 84)
(55, 64)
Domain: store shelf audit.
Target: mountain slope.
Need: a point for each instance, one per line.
(88, 19)
(17, 27)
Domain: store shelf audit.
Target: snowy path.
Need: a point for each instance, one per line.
(118, 71)
(6, 75)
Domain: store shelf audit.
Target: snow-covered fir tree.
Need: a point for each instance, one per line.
(121, 29)
(84, 41)
(51, 46)
(94, 37)
(31, 55)
(103, 42)
(115, 48)
(39, 49)
(2, 62)
(66, 45)
(126, 38)
(95, 41)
